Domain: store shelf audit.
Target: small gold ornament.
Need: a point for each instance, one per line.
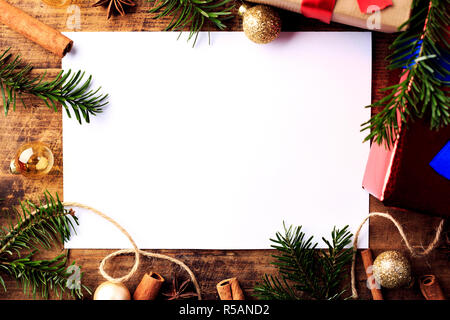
(261, 23)
(33, 159)
(392, 270)
(112, 291)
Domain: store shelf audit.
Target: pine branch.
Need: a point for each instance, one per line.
(273, 288)
(305, 270)
(192, 14)
(297, 259)
(69, 89)
(422, 52)
(41, 276)
(334, 262)
(36, 227)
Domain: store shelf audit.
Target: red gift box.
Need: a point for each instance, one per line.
(403, 177)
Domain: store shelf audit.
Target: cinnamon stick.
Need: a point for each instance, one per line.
(367, 259)
(47, 37)
(229, 289)
(149, 286)
(430, 288)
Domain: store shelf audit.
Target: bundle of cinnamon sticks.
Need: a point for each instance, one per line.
(229, 289)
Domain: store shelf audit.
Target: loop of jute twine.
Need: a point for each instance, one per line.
(137, 252)
(414, 252)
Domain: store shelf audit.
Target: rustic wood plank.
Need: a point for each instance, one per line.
(210, 266)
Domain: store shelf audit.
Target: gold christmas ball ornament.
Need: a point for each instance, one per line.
(33, 159)
(392, 270)
(261, 23)
(112, 291)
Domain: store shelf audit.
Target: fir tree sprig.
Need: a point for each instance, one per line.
(41, 276)
(192, 14)
(422, 51)
(69, 89)
(305, 270)
(37, 226)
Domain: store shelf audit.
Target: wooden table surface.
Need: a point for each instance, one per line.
(210, 266)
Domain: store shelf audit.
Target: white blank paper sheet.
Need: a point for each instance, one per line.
(213, 147)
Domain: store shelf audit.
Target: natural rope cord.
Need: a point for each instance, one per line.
(136, 250)
(413, 251)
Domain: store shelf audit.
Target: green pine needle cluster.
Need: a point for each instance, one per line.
(307, 272)
(193, 14)
(423, 92)
(36, 227)
(69, 89)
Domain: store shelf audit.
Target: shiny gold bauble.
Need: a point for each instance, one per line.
(33, 159)
(392, 270)
(112, 291)
(261, 23)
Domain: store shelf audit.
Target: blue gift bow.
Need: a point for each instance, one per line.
(441, 162)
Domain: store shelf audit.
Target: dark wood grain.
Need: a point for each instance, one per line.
(210, 266)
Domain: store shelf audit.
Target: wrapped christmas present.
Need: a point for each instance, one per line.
(378, 15)
(415, 172)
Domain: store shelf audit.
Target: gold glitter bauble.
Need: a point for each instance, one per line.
(392, 270)
(261, 23)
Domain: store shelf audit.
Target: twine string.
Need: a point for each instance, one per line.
(414, 252)
(137, 252)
